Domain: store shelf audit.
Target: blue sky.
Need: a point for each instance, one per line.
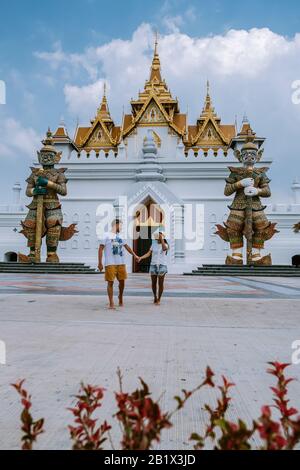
(53, 52)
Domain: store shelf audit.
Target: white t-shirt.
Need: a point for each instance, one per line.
(114, 251)
(159, 256)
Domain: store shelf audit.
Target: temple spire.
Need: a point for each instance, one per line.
(103, 110)
(208, 102)
(155, 74)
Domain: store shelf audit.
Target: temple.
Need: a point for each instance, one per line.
(153, 157)
(155, 107)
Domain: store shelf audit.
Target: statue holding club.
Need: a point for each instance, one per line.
(247, 218)
(44, 218)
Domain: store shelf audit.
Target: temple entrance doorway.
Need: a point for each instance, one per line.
(149, 216)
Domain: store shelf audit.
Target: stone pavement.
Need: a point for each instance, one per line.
(139, 285)
(58, 332)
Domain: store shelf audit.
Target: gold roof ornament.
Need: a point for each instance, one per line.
(155, 75)
(103, 134)
(103, 110)
(156, 107)
(209, 133)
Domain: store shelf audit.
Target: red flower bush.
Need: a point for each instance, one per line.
(85, 435)
(140, 417)
(31, 429)
(142, 420)
(275, 435)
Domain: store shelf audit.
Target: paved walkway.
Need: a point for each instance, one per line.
(139, 285)
(58, 332)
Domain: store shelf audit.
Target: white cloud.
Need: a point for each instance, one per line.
(84, 100)
(250, 71)
(17, 141)
(173, 23)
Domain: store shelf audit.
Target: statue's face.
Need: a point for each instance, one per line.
(249, 157)
(47, 158)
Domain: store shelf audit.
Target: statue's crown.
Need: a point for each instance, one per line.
(48, 143)
(249, 143)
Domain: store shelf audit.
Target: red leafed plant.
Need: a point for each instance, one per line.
(31, 429)
(140, 417)
(142, 420)
(285, 433)
(85, 435)
(275, 435)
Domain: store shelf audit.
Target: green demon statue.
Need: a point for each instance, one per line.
(45, 218)
(247, 217)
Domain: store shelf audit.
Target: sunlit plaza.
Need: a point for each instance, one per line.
(58, 332)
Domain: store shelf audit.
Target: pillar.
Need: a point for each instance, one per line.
(179, 233)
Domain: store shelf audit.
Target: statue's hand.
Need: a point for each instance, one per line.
(246, 182)
(251, 191)
(39, 191)
(41, 181)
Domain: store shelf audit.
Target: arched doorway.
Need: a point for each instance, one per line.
(10, 257)
(149, 216)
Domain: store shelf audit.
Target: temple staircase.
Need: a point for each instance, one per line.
(267, 271)
(46, 268)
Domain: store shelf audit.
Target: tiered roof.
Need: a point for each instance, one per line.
(154, 106)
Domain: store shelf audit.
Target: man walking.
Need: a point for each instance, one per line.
(115, 268)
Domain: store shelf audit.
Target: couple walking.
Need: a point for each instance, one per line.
(112, 246)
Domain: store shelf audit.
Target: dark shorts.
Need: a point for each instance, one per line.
(160, 270)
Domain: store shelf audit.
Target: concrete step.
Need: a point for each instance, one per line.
(24, 271)
(224, 270)
(2, 263)
(226, 274)
(280, 266)
(46, 268)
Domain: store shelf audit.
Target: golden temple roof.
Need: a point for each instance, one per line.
(155, 106)
(103, 134)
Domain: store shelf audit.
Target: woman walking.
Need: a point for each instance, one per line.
(159, 263)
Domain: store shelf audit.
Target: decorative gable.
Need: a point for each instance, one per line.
(209, 136)
(98, 138)
(152, 115)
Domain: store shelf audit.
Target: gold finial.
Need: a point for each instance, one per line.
(208, 103)
(103, 110)
(245, 119)
(155, 67)
(156, 42)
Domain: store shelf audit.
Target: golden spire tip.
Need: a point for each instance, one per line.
(207, 87)
(156, 42)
